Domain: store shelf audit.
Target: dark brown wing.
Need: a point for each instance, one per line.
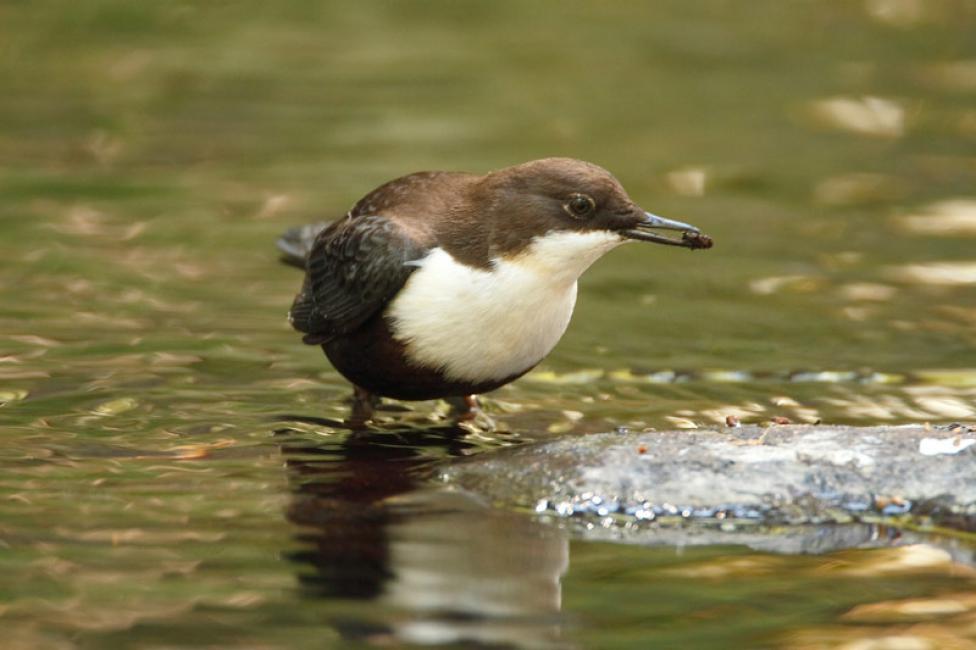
(354, 268)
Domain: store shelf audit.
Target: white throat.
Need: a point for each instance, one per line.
(480, 325)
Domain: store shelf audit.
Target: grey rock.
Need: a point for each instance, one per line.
(748, 480)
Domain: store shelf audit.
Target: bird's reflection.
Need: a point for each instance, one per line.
(444, 567)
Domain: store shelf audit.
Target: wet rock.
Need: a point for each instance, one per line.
(747, 479)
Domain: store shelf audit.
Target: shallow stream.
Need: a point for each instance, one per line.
(168, 477)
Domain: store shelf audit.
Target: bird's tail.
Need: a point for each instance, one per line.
(295, 243)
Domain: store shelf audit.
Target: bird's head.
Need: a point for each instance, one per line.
(572, 212)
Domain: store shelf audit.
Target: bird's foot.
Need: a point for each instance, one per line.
(364, 404)
(468, 414)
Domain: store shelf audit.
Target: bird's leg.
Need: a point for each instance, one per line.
(465, 409)
(363, 405)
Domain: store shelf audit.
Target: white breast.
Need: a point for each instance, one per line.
(482, 325)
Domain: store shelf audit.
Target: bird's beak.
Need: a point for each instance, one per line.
(691, 237)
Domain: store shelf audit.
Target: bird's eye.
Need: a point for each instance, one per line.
(580, 205)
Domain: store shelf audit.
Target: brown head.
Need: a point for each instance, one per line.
(510, 208)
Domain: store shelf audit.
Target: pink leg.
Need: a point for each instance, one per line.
(464, 408)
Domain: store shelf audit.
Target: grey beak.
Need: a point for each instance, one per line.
(654, 221)
(691, 237)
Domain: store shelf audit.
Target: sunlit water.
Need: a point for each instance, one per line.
(168, 474)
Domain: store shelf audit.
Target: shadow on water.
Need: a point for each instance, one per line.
(437, 566)
(341, 490)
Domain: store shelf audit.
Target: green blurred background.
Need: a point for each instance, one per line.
(150, 153)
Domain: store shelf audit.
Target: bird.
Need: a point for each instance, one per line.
(447, 285)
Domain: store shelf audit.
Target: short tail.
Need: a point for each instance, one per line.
(295, 243)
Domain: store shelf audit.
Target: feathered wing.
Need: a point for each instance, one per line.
(353, 269)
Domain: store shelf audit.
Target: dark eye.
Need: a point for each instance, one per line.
(580, 205)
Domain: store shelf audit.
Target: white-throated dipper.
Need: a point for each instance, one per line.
(449, 284)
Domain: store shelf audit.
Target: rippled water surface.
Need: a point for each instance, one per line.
(169, 475)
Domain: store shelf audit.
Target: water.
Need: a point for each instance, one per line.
(169, 477)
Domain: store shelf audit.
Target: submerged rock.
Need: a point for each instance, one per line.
(739, 479)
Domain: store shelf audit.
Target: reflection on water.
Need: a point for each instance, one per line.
(460, 571)
(872, 116)
(419, 565)
(952, 217)
(937, 273)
